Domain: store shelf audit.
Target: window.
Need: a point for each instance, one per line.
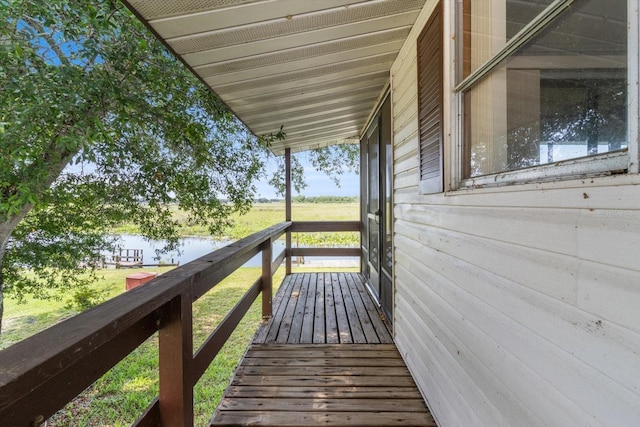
(430, 84)
(544, 82)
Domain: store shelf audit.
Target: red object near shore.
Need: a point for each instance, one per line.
(137, 279)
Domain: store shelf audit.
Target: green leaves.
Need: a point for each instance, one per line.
(87, 85)
(335, 160)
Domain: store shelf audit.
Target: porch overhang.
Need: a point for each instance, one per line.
(314, 67)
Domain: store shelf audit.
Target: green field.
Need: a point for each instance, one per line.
(122, 394)
(263, 215)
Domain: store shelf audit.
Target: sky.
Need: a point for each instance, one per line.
(318, 184)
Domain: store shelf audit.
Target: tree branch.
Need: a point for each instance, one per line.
(50, 41)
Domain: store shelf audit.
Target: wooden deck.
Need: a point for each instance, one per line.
(324, 358)
(324, 308)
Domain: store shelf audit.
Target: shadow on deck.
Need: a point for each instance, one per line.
(324, 358)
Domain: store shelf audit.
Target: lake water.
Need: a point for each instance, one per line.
(194, 247)
(190, 248)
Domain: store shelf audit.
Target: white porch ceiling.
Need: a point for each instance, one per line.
(315, 67)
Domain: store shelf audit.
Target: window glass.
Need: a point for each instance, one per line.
(489, 24)
(561, 96)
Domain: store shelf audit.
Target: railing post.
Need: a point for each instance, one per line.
(267, 279)
(287, 197)
(175, 343)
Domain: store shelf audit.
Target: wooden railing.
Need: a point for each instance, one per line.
(318, 226)
(41, 374)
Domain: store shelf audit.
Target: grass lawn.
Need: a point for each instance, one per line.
(23, 320)
(263, 215)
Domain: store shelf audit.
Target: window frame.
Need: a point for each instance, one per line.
(597, 165)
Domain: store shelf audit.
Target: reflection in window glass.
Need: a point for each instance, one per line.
(489, 24)
(581, 117)
(560, 96)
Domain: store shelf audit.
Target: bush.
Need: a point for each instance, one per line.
(85, 298)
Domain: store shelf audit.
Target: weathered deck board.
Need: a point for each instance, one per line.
(324, 308)
(322, 384)
(330, 405)
(329, 312)
(324, 392)
(290, 309)
(355, 282)
(344, 331)
(278, 307)
(299, 313)
(306, 334)
(325, 358)
(353, 319)
(319, 330)
(335, 419)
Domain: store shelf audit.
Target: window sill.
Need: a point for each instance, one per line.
(600, 165)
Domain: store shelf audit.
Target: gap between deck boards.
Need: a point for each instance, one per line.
(323, 308)
(322, 384)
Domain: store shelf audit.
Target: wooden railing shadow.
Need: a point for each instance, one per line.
(41, 374)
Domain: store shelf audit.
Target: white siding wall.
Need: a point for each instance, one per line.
(517, 305)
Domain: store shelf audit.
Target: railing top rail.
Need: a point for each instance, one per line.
(24, 365)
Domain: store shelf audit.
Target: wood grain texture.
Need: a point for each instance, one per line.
(325, 358)
(324, 308)
(322, 384)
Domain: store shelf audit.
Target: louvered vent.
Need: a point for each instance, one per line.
(307, 74)
(154, 9)
(314, 67)
(303, 53)
(296, 25)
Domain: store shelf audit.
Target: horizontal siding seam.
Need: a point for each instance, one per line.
(488, 238)
(506, 282)
(404, 97)
(544, 383)
(577, 184)
(459, 342)
(404, 352)
(489, 201)
(411, 103)
(401, 219)
(577, 257)
(411, 138)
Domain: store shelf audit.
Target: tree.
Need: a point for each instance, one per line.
(87, 85)
(333, 160)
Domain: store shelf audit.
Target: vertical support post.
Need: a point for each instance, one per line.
(287, 197)
(175, 343)
(364, 203)
(267, 279)
(633, 94)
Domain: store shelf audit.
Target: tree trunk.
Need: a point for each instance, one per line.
(1, 297)
(6, 229)
(55, 168)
